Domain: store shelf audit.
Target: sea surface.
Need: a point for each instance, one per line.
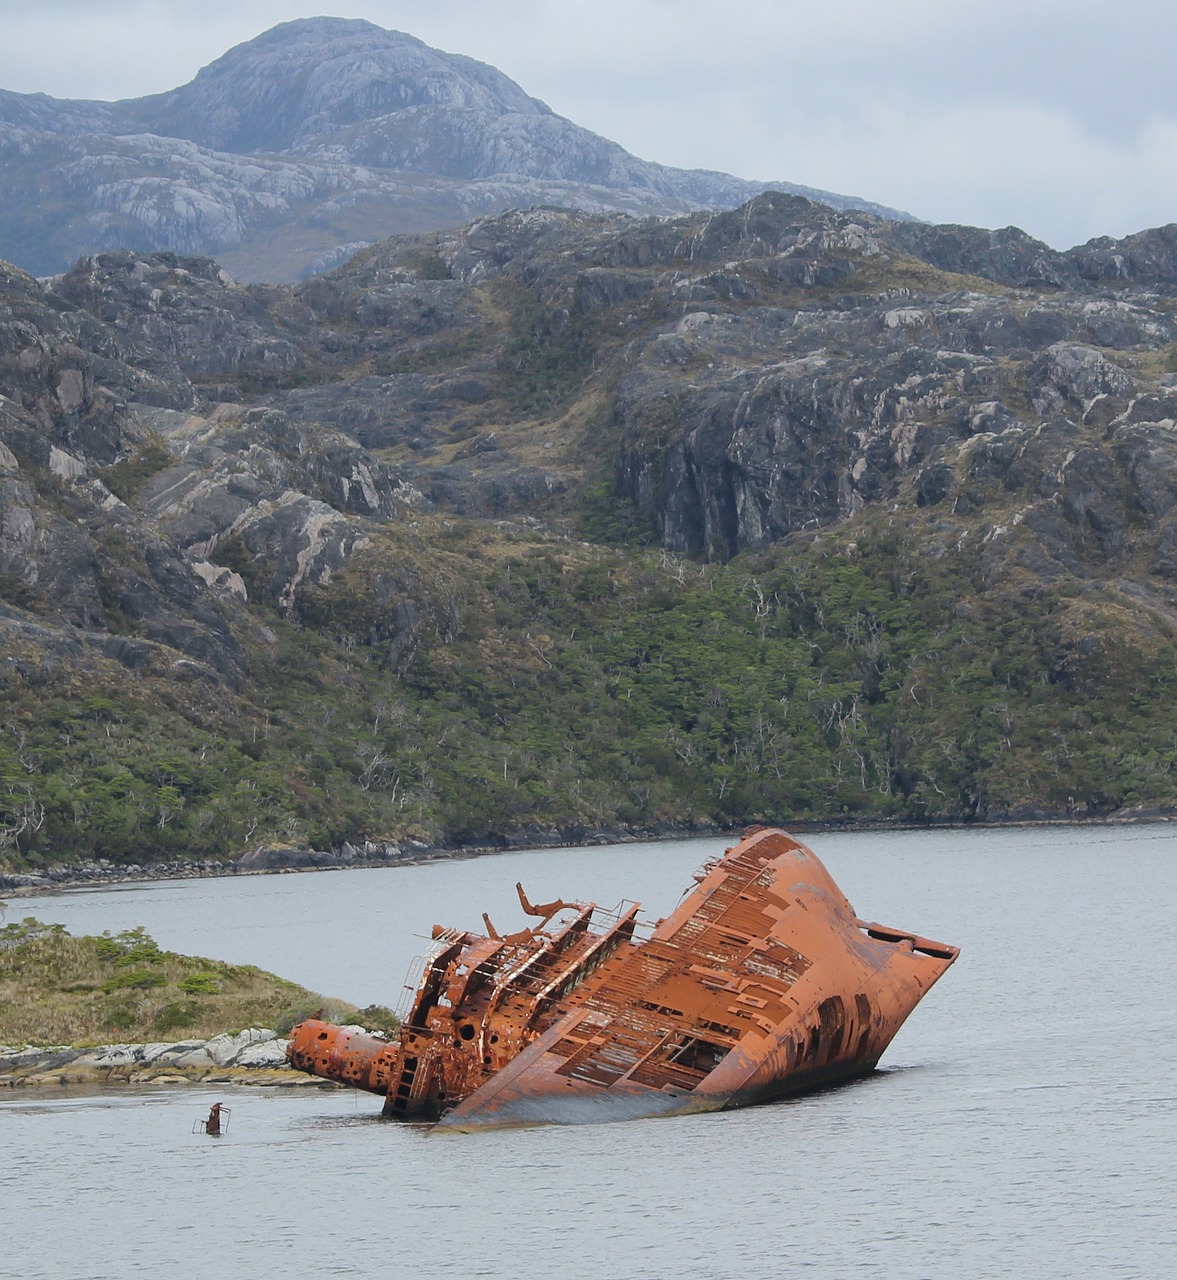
(1023, 1124)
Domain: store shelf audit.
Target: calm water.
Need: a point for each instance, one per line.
(1025, 1125)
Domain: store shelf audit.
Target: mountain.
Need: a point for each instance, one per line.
(561, 524)
(294, 149)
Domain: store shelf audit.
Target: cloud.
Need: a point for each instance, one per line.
(996, 167)
(1057, 116)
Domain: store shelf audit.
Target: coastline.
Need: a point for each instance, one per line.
(282, 860)
(254, 1057)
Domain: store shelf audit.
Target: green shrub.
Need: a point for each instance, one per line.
(130, 946)
(30, 929)
(376, 1017)
(295, 1014)
(117, 1014)
(178, 1013)
(200, 984)
(134, 980)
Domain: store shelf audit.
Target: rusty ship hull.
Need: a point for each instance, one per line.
(762, 983)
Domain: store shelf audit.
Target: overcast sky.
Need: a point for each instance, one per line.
(1058, 116)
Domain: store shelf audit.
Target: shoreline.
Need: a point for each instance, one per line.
(254, 1057)
(276, 860)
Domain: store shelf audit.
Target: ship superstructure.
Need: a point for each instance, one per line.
(762, 983)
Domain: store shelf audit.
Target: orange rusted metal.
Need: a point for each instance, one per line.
(761, 984)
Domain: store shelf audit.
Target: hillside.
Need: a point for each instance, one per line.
(559, 523)
(290, 151)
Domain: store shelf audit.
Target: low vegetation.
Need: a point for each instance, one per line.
(884, 672)
(58, 989)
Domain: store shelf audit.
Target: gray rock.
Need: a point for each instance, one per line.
(197, 1058)
(171, 1053)
(310, 123)
(225, 1050)
(281, 858)
(36, 1059)
(271, 1053)
(21, 881)
(155, 1050)
(1068, 374)
(117, 1055)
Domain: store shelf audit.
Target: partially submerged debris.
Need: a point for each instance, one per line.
(762, 983)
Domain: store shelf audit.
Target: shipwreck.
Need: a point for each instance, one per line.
(761, 984)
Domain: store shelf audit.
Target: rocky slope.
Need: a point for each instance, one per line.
(561, 522)
(293, 149)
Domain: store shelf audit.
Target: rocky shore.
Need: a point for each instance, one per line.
(256, 1056)
(256, 861)
(275, 859)
(269, 859)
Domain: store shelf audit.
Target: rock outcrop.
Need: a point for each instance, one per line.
(323, 519)
(256, 1056)
(319, 135)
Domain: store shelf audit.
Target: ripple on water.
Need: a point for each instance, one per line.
(1022, 1125)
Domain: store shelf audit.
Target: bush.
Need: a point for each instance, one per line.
(178, 1013)
(200, 984)
(293, 1016)
(131, 945)
(30, 929)
(376, 1017)
(134, 980)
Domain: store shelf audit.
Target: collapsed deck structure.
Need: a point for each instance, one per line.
(762, 983)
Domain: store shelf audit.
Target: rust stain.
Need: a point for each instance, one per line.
(762, 983)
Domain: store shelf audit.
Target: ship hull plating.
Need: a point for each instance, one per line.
(762, 984)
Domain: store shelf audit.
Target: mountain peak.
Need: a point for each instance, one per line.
(313, 76)
(296, 28)
(312, 139)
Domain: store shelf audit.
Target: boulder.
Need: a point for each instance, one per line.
(225, 1050)
(282, 858)
(171, 1053)
(197, 1058)
(117, 1055)
(31, 1058)
(268, 1053)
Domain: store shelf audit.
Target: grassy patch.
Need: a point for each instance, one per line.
(127, 478)
(58, 989)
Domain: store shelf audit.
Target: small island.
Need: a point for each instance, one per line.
(92, 1010)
